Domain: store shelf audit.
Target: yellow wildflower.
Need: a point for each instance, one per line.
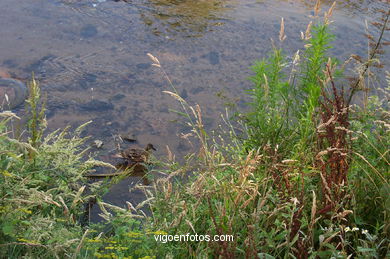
(119, 248)
(99, 255)
(133, 234)
(7, 174)
(3, 209)
(94, 240)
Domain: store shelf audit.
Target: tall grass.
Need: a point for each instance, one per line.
(42, 187)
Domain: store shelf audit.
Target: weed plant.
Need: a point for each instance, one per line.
(42, 187)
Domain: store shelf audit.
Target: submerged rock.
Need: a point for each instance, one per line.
(88, 31)
(213, 57)
(143, 66)
(4, 73)
(184, 94)
(197, 90)
(97, 105)
(12, 93)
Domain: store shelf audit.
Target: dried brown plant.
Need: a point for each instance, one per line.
(334, 143)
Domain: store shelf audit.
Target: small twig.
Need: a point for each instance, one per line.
(80, 244)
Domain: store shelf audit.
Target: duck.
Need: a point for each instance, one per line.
(133, 159)
(134, 156)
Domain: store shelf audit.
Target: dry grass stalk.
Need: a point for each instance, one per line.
(266, 86)
(9, 114)
(317, 7)
(307, 35)
(282, 35)
(363, 69)
(171, 156)
(176, 96)
(155, 60)
(329, 14)
(77, 252)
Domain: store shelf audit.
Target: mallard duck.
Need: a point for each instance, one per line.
(132, 158)
(134, 155)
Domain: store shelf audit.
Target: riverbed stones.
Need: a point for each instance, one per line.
(4, 73)
(213, 57)
(12, 93)
(88, 31)
(143, 66)
(96, 106)
(184, 94)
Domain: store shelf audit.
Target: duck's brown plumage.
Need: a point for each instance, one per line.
(133, 155)
(134, 159)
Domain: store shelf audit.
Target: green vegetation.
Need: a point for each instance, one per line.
(309, 177)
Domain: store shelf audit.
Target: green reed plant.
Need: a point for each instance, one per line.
(36, 107)
(284, 101)
(308, 83)
(315, 57)
(271, 102)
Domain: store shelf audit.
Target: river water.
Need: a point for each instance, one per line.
(90, 58)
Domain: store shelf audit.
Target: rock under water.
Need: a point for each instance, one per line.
(12, 93)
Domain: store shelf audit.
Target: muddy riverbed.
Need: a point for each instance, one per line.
(90, 58)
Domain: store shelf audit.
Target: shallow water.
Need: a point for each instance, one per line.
(90, 57)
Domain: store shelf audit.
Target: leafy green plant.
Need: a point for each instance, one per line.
(268, 121)
(36, 108)
(42, 199)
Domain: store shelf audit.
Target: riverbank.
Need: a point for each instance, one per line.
(303, 174)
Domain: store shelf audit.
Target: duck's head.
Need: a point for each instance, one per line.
(150, 147)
